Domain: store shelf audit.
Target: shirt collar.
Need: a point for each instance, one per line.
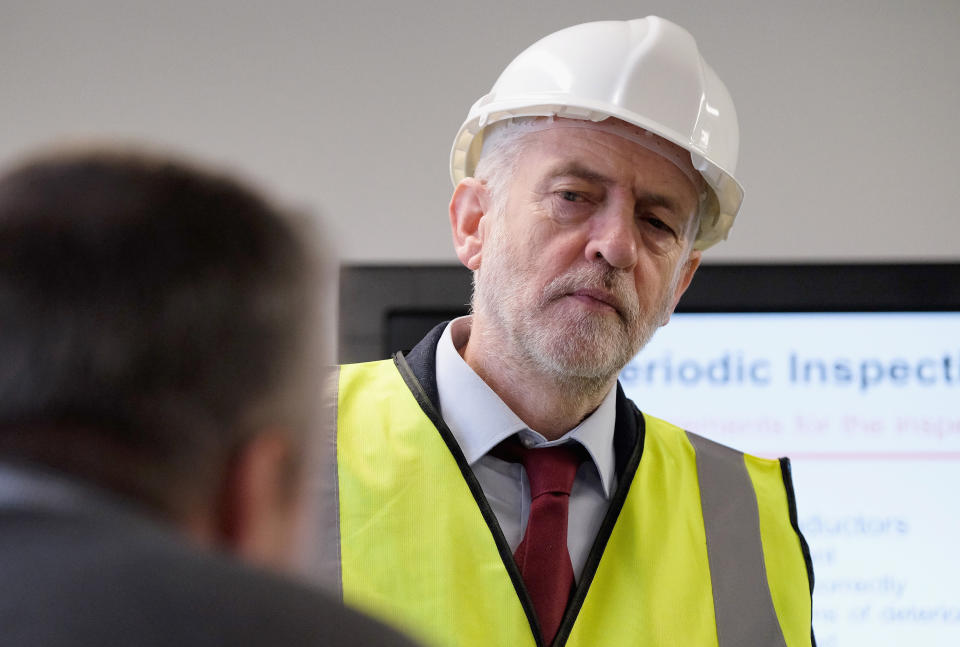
(479, 419)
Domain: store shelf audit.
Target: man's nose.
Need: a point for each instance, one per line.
(613, 237)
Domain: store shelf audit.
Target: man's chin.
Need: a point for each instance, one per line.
(595, 356)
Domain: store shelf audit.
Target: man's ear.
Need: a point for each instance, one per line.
(467, 208)
(258, 502)
(686, 275)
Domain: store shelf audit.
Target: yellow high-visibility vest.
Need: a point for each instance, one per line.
(702, 546)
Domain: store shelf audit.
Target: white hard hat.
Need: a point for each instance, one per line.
(647, 72)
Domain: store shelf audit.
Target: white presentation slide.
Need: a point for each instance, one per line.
(867, 407)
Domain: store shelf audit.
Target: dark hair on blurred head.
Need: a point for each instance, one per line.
(153, 316)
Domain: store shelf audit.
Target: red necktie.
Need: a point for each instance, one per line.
(542, 555)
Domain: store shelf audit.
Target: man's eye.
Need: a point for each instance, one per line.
(656, 223)
(571, 196)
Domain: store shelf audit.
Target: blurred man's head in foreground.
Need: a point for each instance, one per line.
(159, 338)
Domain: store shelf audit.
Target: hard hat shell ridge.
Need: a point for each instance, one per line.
(647, 72)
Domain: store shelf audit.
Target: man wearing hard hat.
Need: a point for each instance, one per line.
(494, 486)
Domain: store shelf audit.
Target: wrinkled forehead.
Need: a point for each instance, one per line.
(669, 151)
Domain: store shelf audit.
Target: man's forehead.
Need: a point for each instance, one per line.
(674, 154)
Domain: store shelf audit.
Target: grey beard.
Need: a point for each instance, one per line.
(587, 352)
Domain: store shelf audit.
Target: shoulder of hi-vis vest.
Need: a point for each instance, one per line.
(699, 546)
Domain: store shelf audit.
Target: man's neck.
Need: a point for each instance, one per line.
(546, 403)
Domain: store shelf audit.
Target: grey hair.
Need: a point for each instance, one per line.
(499, 155)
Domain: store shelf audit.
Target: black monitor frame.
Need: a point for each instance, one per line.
(384, 308)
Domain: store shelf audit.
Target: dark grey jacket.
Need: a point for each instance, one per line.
(77, 568)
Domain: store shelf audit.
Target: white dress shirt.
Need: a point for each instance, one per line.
(479, 420)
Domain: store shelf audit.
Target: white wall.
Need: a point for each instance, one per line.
(847, 109)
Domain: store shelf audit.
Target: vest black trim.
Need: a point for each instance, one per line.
(624, 481)
(488, 515)
(787, 474)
